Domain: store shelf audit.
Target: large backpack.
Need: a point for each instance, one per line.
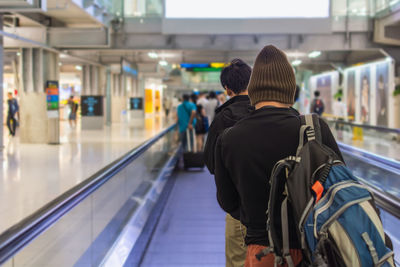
(336, 220)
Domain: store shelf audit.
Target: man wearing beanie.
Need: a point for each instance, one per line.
(234, 79)
(246, 153)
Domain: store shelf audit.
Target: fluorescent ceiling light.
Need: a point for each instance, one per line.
(314, 54)
(163, 63)
(296, 62)
(152, 55)
(77, 67)
(63, 55)
(295, 54)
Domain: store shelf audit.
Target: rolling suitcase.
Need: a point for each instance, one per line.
(192, 158)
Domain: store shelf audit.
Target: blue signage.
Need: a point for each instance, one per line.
(92, 105)
(136, 103)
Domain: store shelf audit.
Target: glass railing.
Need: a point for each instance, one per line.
(372, 153)
(381, 141)
(385, 6)
(143, 8)
(79, 227)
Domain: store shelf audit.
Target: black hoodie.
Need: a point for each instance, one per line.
(244, 157)
(226, 116)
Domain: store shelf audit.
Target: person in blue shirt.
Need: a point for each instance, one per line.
(186, 113)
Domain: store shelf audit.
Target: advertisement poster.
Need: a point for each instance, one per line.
(365, 94)
(157, 101)
(324, 86)
(382, 101)
(92, 105)
(351, 94)
(148, 101)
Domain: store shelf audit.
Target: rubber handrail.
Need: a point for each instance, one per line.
(19, 235)
(386, 201)
(371, 127)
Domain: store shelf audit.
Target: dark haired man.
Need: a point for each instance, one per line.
(246, 153)
(234, 79)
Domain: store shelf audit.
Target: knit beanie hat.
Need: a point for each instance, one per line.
(272, 78)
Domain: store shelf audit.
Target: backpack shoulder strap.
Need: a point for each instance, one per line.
(309, 126)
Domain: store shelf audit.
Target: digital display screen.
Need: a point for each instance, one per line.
(250, 9)
(92, 105)
(136, 103)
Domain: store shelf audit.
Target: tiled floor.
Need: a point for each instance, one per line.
(191, 231)
(32, 175)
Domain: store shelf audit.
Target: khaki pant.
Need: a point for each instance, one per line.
(235, 249)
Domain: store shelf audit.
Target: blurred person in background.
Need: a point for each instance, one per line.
(222, 98)
(186, 118)
(317, 105)
(13, 109)
(167, 102)
(202, 100)
(340, 113)
(73, 110)
(201, 127)
(234, 79)
(211, 106)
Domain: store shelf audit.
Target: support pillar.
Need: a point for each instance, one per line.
(38, 125)
(108, 97)
(1, 83)
(93, 102)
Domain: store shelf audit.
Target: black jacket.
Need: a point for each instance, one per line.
(244, 157)
(226, 116)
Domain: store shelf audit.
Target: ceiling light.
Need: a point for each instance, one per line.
(78, 67)
(314, 54)
(18, 53)
(63, 55)
(152, 55)
(296, 54)
(59, 63)
(296, 62)
(163, 63)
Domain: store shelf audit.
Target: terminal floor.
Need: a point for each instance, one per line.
(34, 174)
(191, 229)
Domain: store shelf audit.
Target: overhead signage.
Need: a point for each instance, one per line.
(52, 94)
(92, 106)
(136, 103)
(128, 68)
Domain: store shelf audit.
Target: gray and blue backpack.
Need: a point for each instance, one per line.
(337, 222)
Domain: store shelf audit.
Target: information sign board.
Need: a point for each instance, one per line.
(92, 105)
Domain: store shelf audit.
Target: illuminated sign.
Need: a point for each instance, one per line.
(92, 106)
(52, 94)
(136, 103)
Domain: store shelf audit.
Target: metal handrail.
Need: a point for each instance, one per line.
(22, 233)
(370, 127)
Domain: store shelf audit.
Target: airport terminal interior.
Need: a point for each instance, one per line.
(92, 164)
